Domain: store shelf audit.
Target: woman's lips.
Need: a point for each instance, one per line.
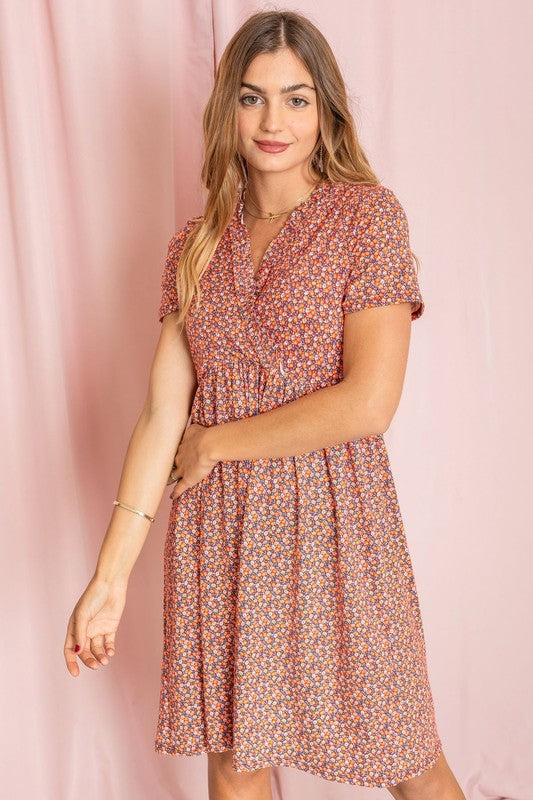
(271, 148)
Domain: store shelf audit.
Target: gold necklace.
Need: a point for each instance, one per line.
(272, 216)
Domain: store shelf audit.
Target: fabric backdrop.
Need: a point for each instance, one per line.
(100, 122)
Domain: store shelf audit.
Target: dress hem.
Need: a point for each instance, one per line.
(300, 764)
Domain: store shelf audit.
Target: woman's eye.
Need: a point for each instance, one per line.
(247, 97)
(301, 102)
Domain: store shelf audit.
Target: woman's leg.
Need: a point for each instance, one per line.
(437, 783)
(225, 783)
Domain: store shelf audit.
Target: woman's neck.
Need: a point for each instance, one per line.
(269, 197)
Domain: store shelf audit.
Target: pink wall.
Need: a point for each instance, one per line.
(100, 124)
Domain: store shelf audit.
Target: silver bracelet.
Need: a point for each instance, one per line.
(135, 511)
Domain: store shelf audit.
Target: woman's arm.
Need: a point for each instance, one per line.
(363, 403)
(150, 452)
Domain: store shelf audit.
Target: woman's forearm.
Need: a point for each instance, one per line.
(147, 465)
(331, 415)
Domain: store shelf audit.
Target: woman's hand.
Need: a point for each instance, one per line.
(192, 461)
(93, 624)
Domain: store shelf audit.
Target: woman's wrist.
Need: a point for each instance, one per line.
(212, 445)
(116, 579)
(121, 546)
(111, 572)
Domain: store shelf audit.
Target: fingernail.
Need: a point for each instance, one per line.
(76, 649)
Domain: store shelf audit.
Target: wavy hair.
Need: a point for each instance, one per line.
(223, 169)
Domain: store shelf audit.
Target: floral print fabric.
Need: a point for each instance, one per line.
(292, 628)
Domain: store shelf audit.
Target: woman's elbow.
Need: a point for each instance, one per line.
(385, 414)
(373, 411)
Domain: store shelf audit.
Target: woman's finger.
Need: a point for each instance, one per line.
(174, 472)
(97, 649)
(81, 621)
(181, 486)
(110, 643)
(173, 477)
(87, 656)
(176, 490)
(69, 650)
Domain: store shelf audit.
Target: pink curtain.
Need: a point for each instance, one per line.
(100, 124)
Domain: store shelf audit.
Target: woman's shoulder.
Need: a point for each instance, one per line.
(368, 200)
(189, 224)
(179, 236)
(358, 190)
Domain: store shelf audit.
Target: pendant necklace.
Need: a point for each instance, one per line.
(270, 215)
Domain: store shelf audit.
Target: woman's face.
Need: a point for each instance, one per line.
(267, 112)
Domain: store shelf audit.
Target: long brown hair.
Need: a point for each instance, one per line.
(223, 170)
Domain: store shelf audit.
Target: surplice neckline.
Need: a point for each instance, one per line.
(255, 280)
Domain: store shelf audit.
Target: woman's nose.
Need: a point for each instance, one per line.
(272, 117)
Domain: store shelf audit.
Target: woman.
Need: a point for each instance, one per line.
(292, 630)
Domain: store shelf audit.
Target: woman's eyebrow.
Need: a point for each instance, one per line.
(284, 89)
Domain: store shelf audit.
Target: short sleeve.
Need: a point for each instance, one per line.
(169, 294)
(381, 269)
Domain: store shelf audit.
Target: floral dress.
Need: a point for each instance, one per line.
(292, 628)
